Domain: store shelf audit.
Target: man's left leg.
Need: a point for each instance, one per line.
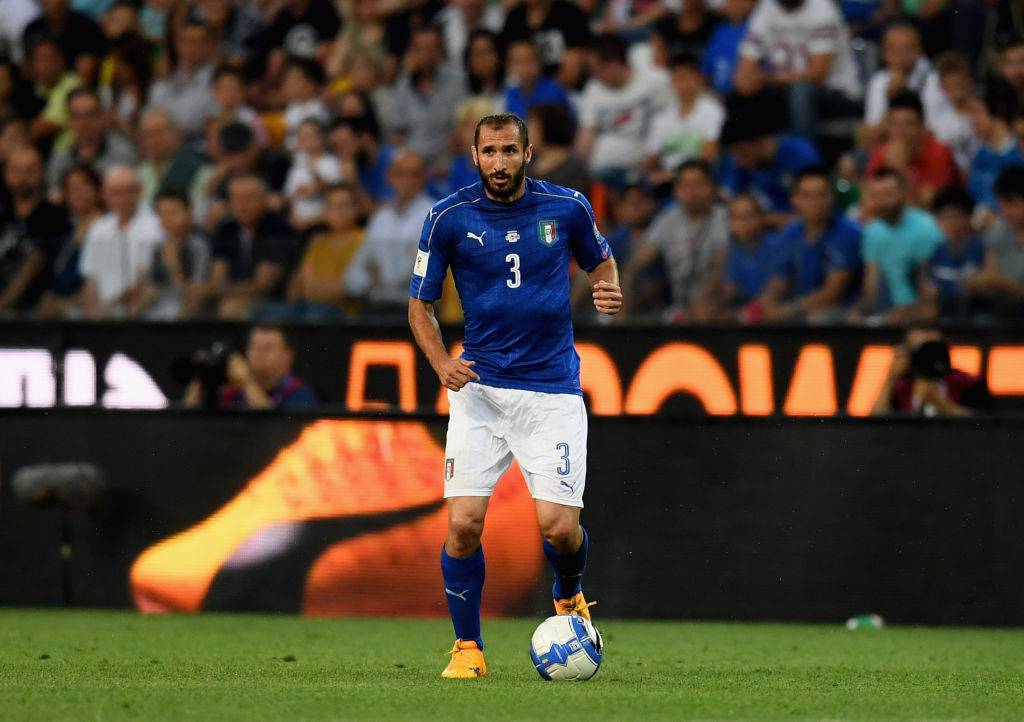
(566, 545)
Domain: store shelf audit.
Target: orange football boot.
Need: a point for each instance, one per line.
(574, 605)
(467, 662)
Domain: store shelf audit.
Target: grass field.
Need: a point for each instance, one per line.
(83, 666)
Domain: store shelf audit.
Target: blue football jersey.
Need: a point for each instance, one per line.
(510, 262)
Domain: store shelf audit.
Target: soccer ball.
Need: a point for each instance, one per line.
(566, 647)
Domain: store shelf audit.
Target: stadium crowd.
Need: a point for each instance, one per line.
(781, 160)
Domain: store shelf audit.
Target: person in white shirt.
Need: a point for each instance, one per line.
(949, 116)
(616, 110)
(313, 170)
(379, 272)
(802, 48)
(118, 249)
(906, 68)
(688, 129)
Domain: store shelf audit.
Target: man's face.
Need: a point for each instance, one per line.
(886, 197)
(981, 121)
(956, 86)
(269, 356)
(686, 81)
(746, 153)
(23, 173)
(745, 220)
(1012, 210)
(637, 207)
(246, 200)
(501, 160)
(901, 49)
(406, 175)
(426, 50)
(1012, 66)
(523, 63)
(174, 217)
(47, 63)
(954, 222)
(85, 118)
(905, 125)
(192, 46)
(610, 72)
(121, 192)
(158, 138)
(341, 210)
(695, 191)
(812, 199)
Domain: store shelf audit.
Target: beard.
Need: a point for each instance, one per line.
(515, 182)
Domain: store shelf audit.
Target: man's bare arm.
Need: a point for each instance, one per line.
(607, 294)
(454, 373)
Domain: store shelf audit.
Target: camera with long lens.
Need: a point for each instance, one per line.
(930, 360)
(209, 366)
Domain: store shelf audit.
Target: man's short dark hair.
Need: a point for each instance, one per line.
(1010, 183)
(311, 70)
(812, 171)
(286, 335)
(953, 196)
(907, 100)
(235, 137)
(172, 194)
(224, 70)
(610, 48)
(903, 24)
(500, 120)
(887, 171)
(555, 123)
(684, 60)
(698, 164)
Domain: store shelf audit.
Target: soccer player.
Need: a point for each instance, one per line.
(515, 390)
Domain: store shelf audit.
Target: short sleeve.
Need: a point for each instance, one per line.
(824, 38)
(843, 252)
(752, 45)
(588, 106)
(433, 256)
(869, 245)
(932, 237)
(589, 247)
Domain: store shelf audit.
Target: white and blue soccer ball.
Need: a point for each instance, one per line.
(567, 648)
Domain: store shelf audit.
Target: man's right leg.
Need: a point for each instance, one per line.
(462, 565)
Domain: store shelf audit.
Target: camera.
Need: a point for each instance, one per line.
(930, 360)
(209, 366)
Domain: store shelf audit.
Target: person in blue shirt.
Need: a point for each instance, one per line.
(530, 86)
(761, 162)
(991, 117)
(961, 255)
(817, 269)
(514, 392)
(356, 141)
(718, 60)
(748, 263)
(896, 248)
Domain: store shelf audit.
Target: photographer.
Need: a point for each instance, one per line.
(923, 382)
(261, 379)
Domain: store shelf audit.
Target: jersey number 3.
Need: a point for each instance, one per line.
(517, 278)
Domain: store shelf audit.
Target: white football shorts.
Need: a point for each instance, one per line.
(545, 433)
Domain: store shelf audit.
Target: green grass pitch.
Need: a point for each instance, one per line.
(84, 666)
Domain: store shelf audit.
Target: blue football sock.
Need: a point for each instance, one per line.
(463, 587)
(568, 568)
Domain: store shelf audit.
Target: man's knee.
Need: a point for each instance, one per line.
(464, 532)
(562, 532)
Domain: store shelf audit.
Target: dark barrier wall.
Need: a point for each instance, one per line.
(638, 371)
(721, 518)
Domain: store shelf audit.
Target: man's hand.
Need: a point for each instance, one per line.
(237, 370)
(455, 373)
(607, 298)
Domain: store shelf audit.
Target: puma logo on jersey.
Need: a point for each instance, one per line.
(476, 237)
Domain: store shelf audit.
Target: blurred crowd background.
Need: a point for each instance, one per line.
(751, 162)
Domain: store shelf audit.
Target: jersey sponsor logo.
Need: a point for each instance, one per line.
(548, 232)
(512, 236)
(475, 237)
(449, 469)
(422, 260)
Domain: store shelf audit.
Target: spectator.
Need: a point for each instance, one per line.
(32, 232)
(251, 251)
(896, 247)
(999, 149)
(484, 63)
(379, 273)
(235, 154)
(1011, 65)
(961, 255)
(949, 119)
(82, 189)
(616, 110)
(760, 161)
(367, 34)
(313, 170)
(553, 160)
(77, 35)
(688, 129)
(685, 32)
(1001, 281)
(229, 96)
(910, 149)
(748, 263)
(426, 94)
(261, 379)
(302, 86)
(234, 27)
(18, 100)
(528, 86)
(356, 141)
(922, 380)
(317, 290)
(691, 238)
(302, 29)
(95, 144)
(181, 264)
(169, 165)
(118, 249)
(464, 23)
(559, 29)
(906, 69)
(802, 49)
(124, 90)
(817, 269)
(187, 92)
(722, 50)
(53, 83)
